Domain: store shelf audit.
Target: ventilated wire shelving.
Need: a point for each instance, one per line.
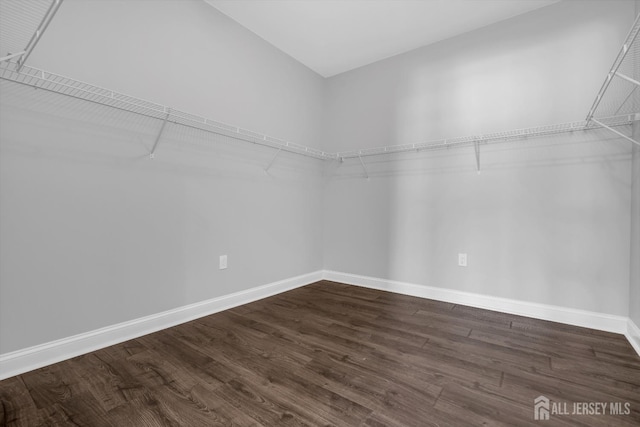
(516, 134)
(87, 92)
(616, 105)
(620, 91)
(22, 23)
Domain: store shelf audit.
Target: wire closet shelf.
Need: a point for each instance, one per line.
(620, 92)
(51, 82)
(66, 86)
(616, 104)
(22, 24)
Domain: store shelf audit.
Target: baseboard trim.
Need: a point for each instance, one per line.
(38, 356)
(587, 319)
(633, 335)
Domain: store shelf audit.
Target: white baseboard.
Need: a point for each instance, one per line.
(35, 357)
(633, 335)
(587, 319)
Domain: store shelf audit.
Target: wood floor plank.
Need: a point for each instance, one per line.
(78, 410)
(293, 388)
(187, 409)
(335, 354)
(452, 317)
(484, 316)
(53, 384)
(18, 408)
(221, 409)
(547, 347)
(381, 391)
(104, 379)
(121, 350)
(573, 334)
(145, 411)
(526, 387)
(243, 394)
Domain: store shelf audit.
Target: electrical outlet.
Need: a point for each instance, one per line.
(462, 260)
(223, 262)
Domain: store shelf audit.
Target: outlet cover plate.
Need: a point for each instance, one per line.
(462, 260)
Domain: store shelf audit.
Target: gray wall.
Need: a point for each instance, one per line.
(93, 231)
(187, 55)
(546, 221)
(634, 283)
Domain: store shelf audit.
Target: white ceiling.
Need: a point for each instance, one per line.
(334, 36)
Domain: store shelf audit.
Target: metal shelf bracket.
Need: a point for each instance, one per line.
(366, 174)
(273, 159)
(152, 155)
(620, 134)
(11, 56)
(627, 78)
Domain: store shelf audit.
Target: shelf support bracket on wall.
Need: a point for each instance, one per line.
(625, 100)
(11, 56)
(155, 144)
(477, 147)
(55, 5)
(620, 134)
(627, 78)
(273, 159)
(366, 174)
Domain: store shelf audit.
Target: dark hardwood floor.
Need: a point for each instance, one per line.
(333, 354)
